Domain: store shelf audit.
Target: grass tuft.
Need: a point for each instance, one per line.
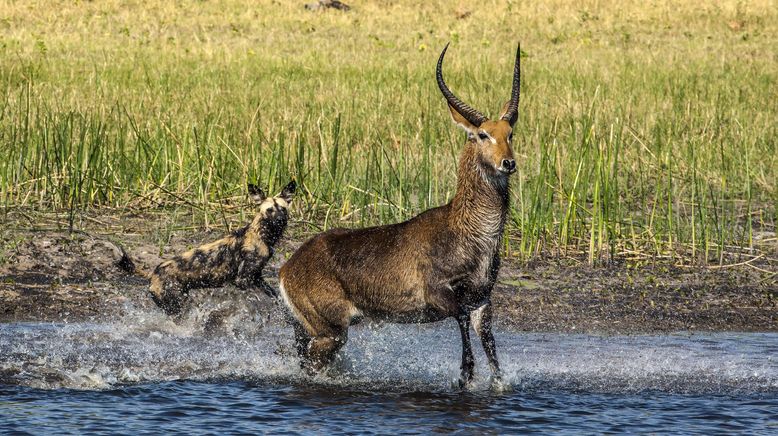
(644, 131)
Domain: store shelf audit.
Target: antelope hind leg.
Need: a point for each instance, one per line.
(322, 349)
(322, 316)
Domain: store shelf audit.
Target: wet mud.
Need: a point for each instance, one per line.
(61, 276)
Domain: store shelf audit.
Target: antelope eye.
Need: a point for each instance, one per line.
(510, 137)
(483, 136)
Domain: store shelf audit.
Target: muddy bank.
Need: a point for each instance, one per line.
(619, 299)
(56, 275)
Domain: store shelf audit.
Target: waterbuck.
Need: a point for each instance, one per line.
(442, 263)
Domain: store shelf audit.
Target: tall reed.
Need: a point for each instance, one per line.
(644, 131)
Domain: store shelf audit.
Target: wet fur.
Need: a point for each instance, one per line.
(238, 258)
(442, 263)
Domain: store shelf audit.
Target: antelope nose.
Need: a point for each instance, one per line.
(509, 164)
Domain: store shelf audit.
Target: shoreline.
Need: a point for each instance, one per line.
(51, 275)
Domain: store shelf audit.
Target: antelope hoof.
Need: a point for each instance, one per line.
(498, 386)
(308, 367)
(464, 381)
(309, 370)
(466, 376)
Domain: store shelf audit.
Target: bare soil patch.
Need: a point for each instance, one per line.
(52, 274)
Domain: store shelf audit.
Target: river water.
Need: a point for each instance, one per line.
(144, 373)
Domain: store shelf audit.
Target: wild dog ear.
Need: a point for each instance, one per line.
(256, 193)
(462, 122)
(288, 191)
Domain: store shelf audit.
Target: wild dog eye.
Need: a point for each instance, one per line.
(483, 136)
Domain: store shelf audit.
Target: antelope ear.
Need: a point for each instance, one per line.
(462, 122)
(256, 193)
(288, 192)
(504, 112)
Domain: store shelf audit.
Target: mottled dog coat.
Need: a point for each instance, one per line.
(238, 258)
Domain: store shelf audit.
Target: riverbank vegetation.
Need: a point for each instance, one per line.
(647, 130)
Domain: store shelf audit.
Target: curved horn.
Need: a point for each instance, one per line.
(512, 112)
(470, 114)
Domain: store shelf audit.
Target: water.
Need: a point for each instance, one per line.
(144, 373)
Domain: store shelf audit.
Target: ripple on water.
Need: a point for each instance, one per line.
(144, 373)
(145, 348)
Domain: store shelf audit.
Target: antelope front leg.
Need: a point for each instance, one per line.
(482, 324)
(468, 363)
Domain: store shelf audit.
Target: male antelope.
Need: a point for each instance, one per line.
(442, 263)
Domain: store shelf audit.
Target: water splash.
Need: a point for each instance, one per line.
(147, 347)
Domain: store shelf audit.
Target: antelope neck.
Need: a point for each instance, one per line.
(480, 205)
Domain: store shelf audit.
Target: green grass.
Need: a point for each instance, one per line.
(646, 129)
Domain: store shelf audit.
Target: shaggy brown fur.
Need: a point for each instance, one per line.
(238, 258)
(442, 263)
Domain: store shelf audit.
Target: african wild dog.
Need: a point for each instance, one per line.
(238, 258)
(442, 263)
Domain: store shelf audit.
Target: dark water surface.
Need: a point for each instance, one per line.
(145, 374)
